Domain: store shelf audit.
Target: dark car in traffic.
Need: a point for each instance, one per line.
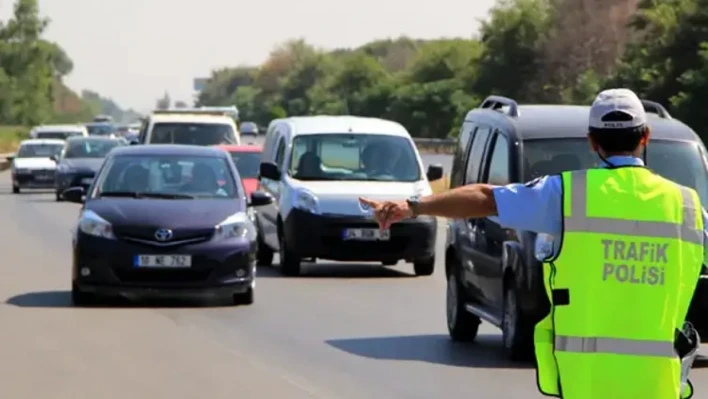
(492, 272)
(146, 230)
(80, 160)
(248, 129)
(105, 129)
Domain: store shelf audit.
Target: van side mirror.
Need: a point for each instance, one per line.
(74, 194)
(260, 198)
(269, 170)
(435, 172)
(11, 157)
(54, 158)
(134, 142)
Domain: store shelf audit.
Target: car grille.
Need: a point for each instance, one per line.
(161, 276)
(146, 236)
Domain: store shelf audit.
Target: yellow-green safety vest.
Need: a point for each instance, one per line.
(620, 286)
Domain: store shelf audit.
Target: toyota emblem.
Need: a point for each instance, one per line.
(163, 235)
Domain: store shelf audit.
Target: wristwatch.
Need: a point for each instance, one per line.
(413, 203)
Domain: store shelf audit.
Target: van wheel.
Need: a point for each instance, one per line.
(59, 197)
(265, 253)
(81, 298)
(424, 267)
(15, 189)
(461, 324)
(289, 262)
(517, 334)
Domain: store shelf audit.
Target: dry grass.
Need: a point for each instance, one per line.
(10, 137)
(441, 185)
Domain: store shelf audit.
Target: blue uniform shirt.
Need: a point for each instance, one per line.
(536, 206)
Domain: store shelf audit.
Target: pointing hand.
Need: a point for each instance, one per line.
(387, 213)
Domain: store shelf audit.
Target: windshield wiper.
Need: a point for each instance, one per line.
(137, 194)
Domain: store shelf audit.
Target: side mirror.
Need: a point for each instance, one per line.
(269, 170)
(74, 194)
(54, 158)
(134, 142)
(260, 198)
(435, 172)
(11, 157)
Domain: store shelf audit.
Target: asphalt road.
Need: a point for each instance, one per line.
(342, 331)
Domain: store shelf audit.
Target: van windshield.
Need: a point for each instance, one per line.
(192, 133)
(682, 162)
(356, 157)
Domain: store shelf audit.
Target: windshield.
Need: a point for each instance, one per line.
(362, 157)
(204, 134)
(178, 176)
(100, 130)
(54, 135)
(89, 148)
(39, 150)
(247, 163)
(681, 162)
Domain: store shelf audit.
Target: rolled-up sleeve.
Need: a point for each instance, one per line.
(533, 206)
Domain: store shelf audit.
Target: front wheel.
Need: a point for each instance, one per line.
(517, 335)
(81, 298)
(59, 197)
(15, 189)
(289, 261)
(265, 253)
(424, 267)
(244, 298)
(461, 324)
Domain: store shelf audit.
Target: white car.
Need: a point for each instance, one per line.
(189, 126)
(316, 168)
(33, 165)
(58, 131)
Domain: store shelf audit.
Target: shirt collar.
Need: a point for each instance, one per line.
(622, 160)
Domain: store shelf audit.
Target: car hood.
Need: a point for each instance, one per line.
(250, 185)
(169, 214)
(83, 163)
(34, 163)
(342, 197)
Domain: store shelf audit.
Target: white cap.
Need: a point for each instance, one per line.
(613, 100)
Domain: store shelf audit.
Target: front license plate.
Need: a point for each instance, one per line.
(163, 261)
(367, 234)
(43, 177)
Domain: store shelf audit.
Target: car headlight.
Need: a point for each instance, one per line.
(235, 226)
(306, 201)
(544, 247)
(92, 224)
(22, 171)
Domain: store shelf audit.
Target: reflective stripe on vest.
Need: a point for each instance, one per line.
(579, 222)
(614, 345)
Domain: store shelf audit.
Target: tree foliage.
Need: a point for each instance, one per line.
(32, 71)
(535, 51)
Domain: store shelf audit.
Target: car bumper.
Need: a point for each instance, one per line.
(321, 236)
(66, 181)
(106, 267)
(34, 179)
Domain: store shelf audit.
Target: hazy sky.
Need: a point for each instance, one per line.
(135, 50)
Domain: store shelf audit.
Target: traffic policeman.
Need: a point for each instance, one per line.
(626, 250)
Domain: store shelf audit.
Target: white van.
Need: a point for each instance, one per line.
(61, 132)
(188, 126)
(316, 168)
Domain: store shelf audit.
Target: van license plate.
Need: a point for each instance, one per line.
(163, 261)
(367, 234)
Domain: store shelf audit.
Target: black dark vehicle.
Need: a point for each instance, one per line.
(80, 160)
(105, 129)
(492, 272)
(165, 219)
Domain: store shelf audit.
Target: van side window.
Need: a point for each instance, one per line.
(143, 132)
(280, 153)
(457, 175)
(474, 161)
(498, 173)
